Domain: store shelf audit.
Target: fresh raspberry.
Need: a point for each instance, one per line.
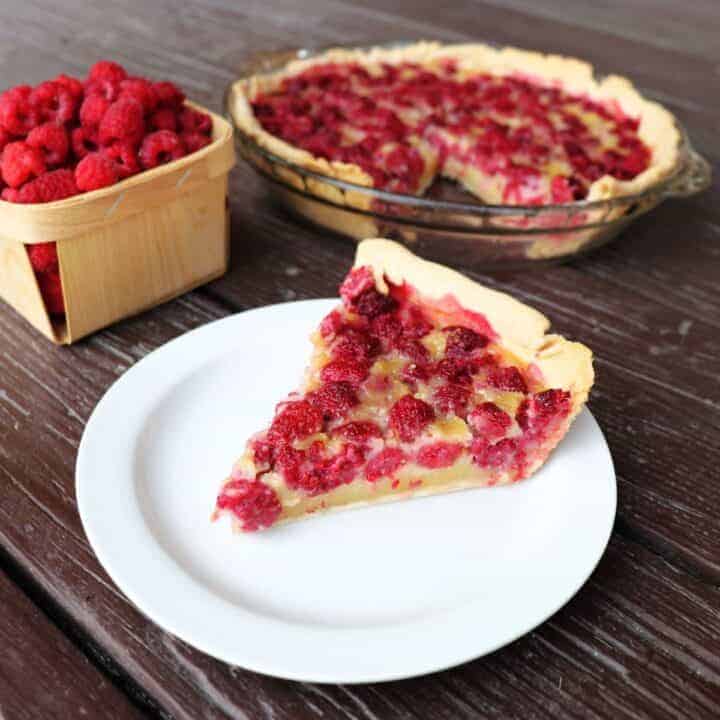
(106, 70)
(164, 119)
(354, 344)
(345, 370)
(489, 421)
(415, 350)
(84, 140)
(507, 378)
(43, 257)
(359, 431)
(123, 121)
(195, 141)
(255, 504)
(20, 163)
(169, 95)
(439, 454)
(462, 341)
(357, 281)
(17, 116)
(408, 416)
(194, 121)
(5, 138)
(141, 90)
(500, 455)
(160, 147)
(331, 324)
(385, 463)
(95, 171)
(51, 290)
(52, 140)
(52, 186)
(53, 102)
(296, 419)
(370, 304)
(334, 399)
(108, 90)
(92, 111)
(71, 84)
(452, 399)
(10, 195)
(124, 155)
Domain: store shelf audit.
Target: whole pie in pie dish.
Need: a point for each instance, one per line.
(421, 381)
(510, 126)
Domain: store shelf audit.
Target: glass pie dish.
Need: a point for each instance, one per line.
(448, 223)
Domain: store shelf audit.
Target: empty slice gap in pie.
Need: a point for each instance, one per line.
(421, 381)
(510, 126)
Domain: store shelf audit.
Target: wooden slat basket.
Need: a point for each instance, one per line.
(125, 248)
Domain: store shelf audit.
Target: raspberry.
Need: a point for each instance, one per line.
(17, 116)
(355, 344)
(344, 370)
(124, 156)
(416, 325)
(388, 328)
(160, 147)
(106, 70)
(53, 102)
(507, 378)
(358, 432)
(164, 119)
(169, 95)
(296, 419)
(534, 414)
(357, 281)
(408, 416)
(334, 399)
(92, 111)
(439, 454)
(331, 324)
(51, 290)
(498, 455)
(20, 163)
(108, 90)
(452, 399)
(52, 140)
(462, 341)
(123, 121)
(71, 84)
(489, 421)
(370, 303)
(95, 171)
(195, 141)
(385, 463)
(5, 138)
(255, 504)
(10, 195)
(43, 257)
(412, 373)
(193, 121)
(52, 186)
(456, 370)
(83, 141)
(141, 90)
(415, 350)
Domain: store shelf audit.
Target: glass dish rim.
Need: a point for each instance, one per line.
(284, 56)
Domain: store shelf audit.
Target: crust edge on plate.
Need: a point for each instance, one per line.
(657, 128)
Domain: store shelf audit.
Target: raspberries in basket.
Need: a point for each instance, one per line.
(66, 136)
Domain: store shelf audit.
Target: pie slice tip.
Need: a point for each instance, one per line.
(421, 381)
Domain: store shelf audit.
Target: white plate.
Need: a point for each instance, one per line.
(365, 595)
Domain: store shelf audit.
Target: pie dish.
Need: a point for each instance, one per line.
(421, 382)
(445, 221)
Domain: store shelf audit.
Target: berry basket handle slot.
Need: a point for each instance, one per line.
(696, 177)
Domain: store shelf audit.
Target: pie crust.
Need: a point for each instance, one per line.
(657, 128)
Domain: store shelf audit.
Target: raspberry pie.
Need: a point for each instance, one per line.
(510, 126)
(420, 382)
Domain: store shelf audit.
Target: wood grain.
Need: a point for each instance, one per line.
(43, 675)
(641, 639)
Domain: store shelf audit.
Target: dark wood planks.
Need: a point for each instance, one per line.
(43, 675)
(641, 639)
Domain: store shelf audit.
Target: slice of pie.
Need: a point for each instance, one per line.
(511, 126)
(421, 381)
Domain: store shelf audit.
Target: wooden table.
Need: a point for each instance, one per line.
(640, 640)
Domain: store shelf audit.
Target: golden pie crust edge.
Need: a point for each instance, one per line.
(658, 129)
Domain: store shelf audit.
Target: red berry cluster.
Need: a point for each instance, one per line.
(65, 137)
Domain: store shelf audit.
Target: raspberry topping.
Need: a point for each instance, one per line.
(439, 454)
(358, 432)
(462, 341)
(489, 421)
(255, 504)
(344, 370)
(334, 399)
(507, 378)
(385, 464)
(409, 416)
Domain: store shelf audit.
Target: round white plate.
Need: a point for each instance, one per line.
(365, 595)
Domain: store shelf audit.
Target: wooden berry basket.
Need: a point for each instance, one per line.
(125, 248)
